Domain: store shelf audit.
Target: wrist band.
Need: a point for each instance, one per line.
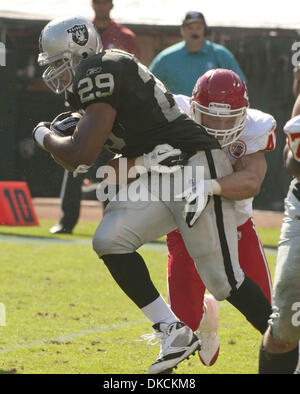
(39, 135)
(216, 187)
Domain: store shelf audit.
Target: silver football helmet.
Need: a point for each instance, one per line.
(64, 43)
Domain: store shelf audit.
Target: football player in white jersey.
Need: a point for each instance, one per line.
(279, 348)
(245, 137)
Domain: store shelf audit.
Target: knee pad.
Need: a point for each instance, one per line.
(102, 244)
(217, 284)
(110, 241)
(222, 292)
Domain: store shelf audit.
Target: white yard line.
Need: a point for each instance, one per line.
(69, 337)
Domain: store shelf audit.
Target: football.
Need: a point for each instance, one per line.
(65, 123)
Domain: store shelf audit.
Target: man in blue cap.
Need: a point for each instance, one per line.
(180, 65)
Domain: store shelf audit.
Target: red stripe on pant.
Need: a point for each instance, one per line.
(186, 289)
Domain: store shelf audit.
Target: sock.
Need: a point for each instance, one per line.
(131, 274)
(252, 303)
(277, 363)
(159, 312)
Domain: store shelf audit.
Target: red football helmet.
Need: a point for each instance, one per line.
(219, 103)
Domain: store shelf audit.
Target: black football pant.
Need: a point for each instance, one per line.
(70, 196)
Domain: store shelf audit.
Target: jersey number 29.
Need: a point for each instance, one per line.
(102, 86)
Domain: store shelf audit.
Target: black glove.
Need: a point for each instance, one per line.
(65, 123)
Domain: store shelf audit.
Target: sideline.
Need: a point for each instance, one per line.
(154, 245)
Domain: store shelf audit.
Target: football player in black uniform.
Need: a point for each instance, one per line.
(130, 112)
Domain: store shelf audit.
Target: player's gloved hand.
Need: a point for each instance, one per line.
(163, 158)
(65, 123)
(197, 197)
(292, 132)
(39, 132)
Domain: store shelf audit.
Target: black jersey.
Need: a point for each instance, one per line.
(147, 114)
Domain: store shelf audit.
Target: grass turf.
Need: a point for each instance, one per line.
(65, 314)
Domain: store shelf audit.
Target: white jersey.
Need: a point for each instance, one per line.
(259, 134)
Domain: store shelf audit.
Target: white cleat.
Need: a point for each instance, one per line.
(208, 332)
(177, 343)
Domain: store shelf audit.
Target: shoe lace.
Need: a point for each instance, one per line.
(157, 336)
(152, 338)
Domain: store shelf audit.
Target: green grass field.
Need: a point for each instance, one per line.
(65, 314)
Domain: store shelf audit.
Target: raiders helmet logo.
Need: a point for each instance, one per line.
(237, 149)
(80, 34)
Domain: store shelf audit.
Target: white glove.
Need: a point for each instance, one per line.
(292, 132)
(163, 158)
(39, 133)
(197, 197)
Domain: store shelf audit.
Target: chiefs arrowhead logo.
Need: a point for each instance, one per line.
(237, 149)
(80, 34)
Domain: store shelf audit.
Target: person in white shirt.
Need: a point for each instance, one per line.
(245, 136)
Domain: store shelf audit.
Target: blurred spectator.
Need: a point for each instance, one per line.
(180, 65)
(113, 35)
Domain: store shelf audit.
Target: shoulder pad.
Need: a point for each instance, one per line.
(260, 130)
(293, 125)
